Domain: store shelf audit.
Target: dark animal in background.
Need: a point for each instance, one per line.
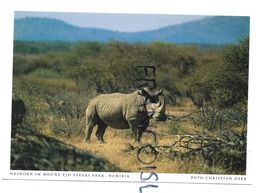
(18, 113)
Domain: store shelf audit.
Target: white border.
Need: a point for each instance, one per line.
(127, 177)
(183, 7)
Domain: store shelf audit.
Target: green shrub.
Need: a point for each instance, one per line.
(225, 83)
(219, 119)
(45, 73)
(68, 113)
(225, 152)
(175, 127)
(30, 47)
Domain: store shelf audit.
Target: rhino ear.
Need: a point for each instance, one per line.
(140, 92)
(143, 92)
(159, 92)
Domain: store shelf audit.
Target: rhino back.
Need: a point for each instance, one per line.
(116, 109)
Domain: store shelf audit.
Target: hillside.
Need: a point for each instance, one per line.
(44, 29)
(210, 30)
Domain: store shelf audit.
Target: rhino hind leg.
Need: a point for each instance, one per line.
(91, 122)
(101, 131)
(89, 129)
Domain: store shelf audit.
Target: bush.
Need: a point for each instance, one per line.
(220, 89)
(223, 84)
(40, 47)
(175, 127)
(68, 114)
(225, 151)
(45, 73)
(219, 119)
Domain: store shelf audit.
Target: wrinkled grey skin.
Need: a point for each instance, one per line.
(122, 111)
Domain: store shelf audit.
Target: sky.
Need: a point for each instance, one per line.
(115, 22)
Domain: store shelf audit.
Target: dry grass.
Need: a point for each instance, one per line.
(119, 140)
(183, 110)
(112, 150)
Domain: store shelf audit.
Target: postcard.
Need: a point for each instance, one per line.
(129, 98)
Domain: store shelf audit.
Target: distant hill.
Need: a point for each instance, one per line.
(210, 30)
(44, 29)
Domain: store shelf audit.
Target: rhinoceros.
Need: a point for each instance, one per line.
(123, 111)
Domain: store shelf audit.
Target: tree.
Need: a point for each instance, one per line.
(224, 83)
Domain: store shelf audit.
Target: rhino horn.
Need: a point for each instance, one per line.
(160, 106)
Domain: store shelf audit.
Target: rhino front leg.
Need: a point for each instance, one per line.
(140, 133)
(137, 129)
